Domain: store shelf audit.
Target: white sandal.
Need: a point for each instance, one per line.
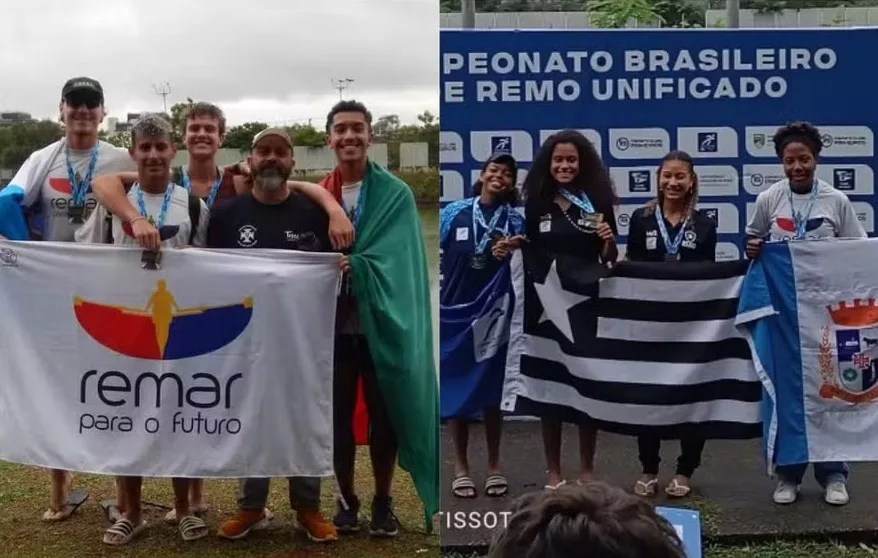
(193, 528)
(125, 529)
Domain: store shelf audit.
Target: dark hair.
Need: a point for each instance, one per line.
(540, 189)
(205, 109)
(348, 106)
(693, 193)
(798, 132)
(594, 520)
(511, 197)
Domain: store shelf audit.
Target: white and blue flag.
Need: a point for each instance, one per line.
(474, 338)
(810, 315)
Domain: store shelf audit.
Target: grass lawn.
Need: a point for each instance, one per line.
(24, 496)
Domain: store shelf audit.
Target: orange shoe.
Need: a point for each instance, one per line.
(242, 523)
(317, 527)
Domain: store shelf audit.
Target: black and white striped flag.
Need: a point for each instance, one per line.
(644, 348)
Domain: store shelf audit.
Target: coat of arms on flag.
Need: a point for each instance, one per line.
(853, 375)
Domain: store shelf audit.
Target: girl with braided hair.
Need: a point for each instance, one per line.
(803, 207)
(670, 228)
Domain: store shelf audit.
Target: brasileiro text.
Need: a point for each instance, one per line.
(201, 392)
(633, 75)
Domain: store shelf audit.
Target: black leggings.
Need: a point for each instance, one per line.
(691, 448)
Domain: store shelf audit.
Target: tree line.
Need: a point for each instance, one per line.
(18, 141)
(671, 13)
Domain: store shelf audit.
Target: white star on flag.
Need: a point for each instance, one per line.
(557, 302)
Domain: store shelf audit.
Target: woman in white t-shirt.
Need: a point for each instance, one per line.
(803, 207)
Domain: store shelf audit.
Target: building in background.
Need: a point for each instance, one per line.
(12, 118)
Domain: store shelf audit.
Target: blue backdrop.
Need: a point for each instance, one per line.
(718, 94)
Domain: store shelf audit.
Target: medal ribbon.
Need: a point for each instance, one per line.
(214, 188)
(78, 190)
(799, 220)
(165, 203)
(670, 247)
(581, 201)
(479, 220)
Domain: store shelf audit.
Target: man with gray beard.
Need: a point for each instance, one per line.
(271, 216)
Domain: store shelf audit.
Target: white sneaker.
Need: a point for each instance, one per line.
(836, 494)
(786, 493)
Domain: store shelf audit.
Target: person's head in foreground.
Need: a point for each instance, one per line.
(798, 146)
(349, 131)
(152, 149)
(271, 161)
(591, 521)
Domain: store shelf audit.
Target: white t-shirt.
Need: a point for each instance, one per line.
(55, 192)
(350, 195)
(176, 226)
(832, 214)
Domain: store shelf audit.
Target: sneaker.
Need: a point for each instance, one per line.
(384, 523)
(836, 494)
(348, 520)
(242, 523)
(316, 526)
(786, 493)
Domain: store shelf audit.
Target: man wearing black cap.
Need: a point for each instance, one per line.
(272, 216)
(49, 199)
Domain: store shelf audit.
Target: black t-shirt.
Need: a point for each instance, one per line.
(294, 224)
(645, 242)
(564, 232)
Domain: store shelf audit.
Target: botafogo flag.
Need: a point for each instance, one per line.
(809, 311)
(217, 365)
(642, 348)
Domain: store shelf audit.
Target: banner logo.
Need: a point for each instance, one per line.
(162, 330)
(852, 375)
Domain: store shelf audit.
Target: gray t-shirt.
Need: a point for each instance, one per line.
(832, 214)
(93, 231)
(54, 193)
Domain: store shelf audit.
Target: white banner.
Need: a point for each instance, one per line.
(217, 365)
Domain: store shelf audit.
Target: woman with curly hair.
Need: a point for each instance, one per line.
(803, 207)
(569, 202)
(670, 228)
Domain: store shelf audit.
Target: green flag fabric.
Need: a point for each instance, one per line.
(391, 286)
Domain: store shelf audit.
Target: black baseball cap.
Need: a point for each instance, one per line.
(84, 85)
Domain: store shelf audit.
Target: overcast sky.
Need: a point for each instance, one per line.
(267, 60)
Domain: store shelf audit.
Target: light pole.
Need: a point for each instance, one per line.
(341, 85)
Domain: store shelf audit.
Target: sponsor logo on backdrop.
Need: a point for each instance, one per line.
(644, 143)
(450, 148)
(866, 214)
(720, 180)
(501, 144)
(639, 181)
(708, 142)
(844, 179)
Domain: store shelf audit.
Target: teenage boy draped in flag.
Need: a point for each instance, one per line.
(49, 198)
(475, 302)
(386, 330)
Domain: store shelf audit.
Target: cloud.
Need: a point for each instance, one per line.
(268, 60)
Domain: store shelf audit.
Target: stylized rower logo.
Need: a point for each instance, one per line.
(162, 330)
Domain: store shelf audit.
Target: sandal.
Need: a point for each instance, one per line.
(496, 486)
(645, 489)
(677, 490)
(557, 486)
(122, 532)
(193, 528)
(74, 499)
(463, 487)
(201, 511)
